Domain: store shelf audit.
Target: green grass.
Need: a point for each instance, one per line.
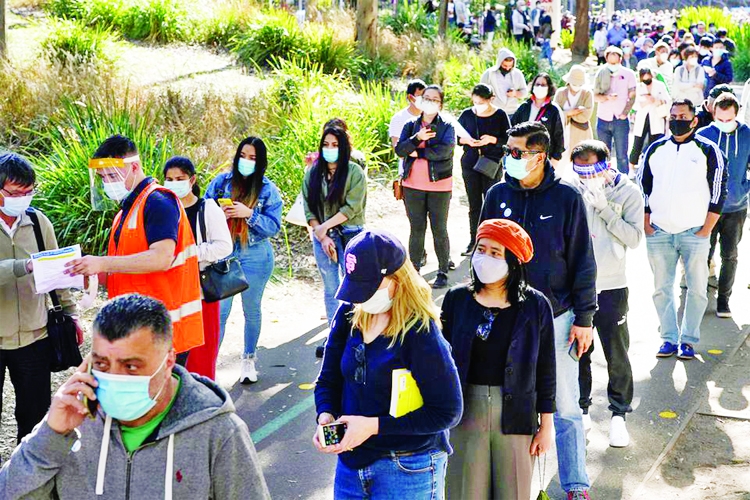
(410, 18)
(72, 43)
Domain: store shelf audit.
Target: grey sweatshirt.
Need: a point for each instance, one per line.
(209, 446)
(613, 230)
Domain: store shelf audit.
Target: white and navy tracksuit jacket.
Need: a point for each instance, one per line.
(681, 183)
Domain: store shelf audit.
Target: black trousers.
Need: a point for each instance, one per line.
(477, 186)
(420, 205)
(643, 142)
(30, 376)
(728, 231)
(611, 323)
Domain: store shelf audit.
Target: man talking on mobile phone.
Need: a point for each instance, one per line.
(156, 431)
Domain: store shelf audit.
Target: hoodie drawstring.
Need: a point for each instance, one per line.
(170, 466)
(102, 469)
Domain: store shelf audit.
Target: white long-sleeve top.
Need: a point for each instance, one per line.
(216, 244)
(658, 112)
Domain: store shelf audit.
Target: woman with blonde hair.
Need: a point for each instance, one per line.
(388, 322)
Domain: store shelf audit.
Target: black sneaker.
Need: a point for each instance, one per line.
(441, 281)
(468, 250)
(722, 308)
(451, 265)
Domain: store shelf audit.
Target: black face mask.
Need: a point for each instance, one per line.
(505, 71)
(680, 127)
(647, 82)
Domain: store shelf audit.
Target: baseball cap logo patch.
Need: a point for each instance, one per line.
(351, 263)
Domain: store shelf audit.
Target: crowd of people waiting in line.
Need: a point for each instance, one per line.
(551, 216)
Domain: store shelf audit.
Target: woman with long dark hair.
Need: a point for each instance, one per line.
(252, 205)
(335, 194)
(502, 335)
(214, 243)
(540, 107)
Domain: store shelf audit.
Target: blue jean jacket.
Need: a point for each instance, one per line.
(266, 219)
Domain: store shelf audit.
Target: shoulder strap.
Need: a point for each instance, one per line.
(40, 245)
(202, 219)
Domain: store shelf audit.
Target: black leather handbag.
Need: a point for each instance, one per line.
(485, 166)
(222, 279)
(61, 329)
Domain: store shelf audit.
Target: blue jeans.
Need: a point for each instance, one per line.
(664, 250)
(257, 264)
(416, 477)
(569, 434)
(617, 131)
(331, 271)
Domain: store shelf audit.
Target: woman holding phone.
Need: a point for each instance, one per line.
(388, 322)
(213, 245)
(427, 145)
(502, 337)
(335, 194)
(252, 206)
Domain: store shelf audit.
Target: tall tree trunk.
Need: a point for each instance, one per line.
(443, 26)
(3, 45)
(581, 41)
(367, 25)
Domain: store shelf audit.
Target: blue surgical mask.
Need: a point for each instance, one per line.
(125, 397)
(516, 168)
(331, 155)
(246, 167)
(180, 188)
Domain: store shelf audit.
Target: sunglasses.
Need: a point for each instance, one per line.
(360, 372)
(484, 329)
(517, 154)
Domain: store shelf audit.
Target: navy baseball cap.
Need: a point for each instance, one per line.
(368, 258)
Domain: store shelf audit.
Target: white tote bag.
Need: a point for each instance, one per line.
(296, 214)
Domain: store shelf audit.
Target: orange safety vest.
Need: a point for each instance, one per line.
(178, 287)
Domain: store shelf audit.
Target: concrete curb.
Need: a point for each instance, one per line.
(704, 392)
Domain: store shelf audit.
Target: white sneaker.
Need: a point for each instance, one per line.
(248, 373)
(618, 432)
(587, 425)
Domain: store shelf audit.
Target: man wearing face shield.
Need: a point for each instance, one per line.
(151, 246)
(563, 268)
(684, 182)
(614, 210)
(153, 429)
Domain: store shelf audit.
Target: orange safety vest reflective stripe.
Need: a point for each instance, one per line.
(178, 287)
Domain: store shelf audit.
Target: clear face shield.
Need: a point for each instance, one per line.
(108, 181)
(595, 176)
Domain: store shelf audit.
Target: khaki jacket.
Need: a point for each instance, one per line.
(23, 312)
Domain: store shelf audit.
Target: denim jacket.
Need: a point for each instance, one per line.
(266, 219)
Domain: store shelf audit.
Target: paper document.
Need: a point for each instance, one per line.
(49, 267)
(405, 395)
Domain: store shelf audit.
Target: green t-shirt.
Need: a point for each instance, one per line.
(133, 437)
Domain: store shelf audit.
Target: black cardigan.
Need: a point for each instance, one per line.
(552, 119)
(438, 151)
(529, 387)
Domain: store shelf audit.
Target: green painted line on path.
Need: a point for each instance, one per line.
(283, 419)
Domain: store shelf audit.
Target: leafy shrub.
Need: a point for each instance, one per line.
(410, 17)
(694, 15)
(72, 43)
(157, 21)
(460, 76)
(566, 38)
(272, 38)
(332, 54)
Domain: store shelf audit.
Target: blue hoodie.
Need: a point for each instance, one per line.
(724, 73)
(554, 214)
(736, 150)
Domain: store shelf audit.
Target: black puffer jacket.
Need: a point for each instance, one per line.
(438, 151)
(551, 117)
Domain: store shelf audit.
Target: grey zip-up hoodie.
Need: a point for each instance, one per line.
(201, 450)
(615, 228)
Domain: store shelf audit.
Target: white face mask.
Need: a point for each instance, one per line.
(180, 188)
(480, 108)
(418, 103)
(725, 127)
(614, 68)
(574, 88)
(13, 207)
(489, 269)
(116, 190)
(379, 303)
(540, 92)
(692, 62)
(430, 108)
(593, 184)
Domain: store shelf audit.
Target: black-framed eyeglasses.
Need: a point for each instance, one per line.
(484, 329)
(517, 154)
(18, 195)
(433, 101)
(361, 371)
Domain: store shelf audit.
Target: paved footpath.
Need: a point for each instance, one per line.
(280, 411)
